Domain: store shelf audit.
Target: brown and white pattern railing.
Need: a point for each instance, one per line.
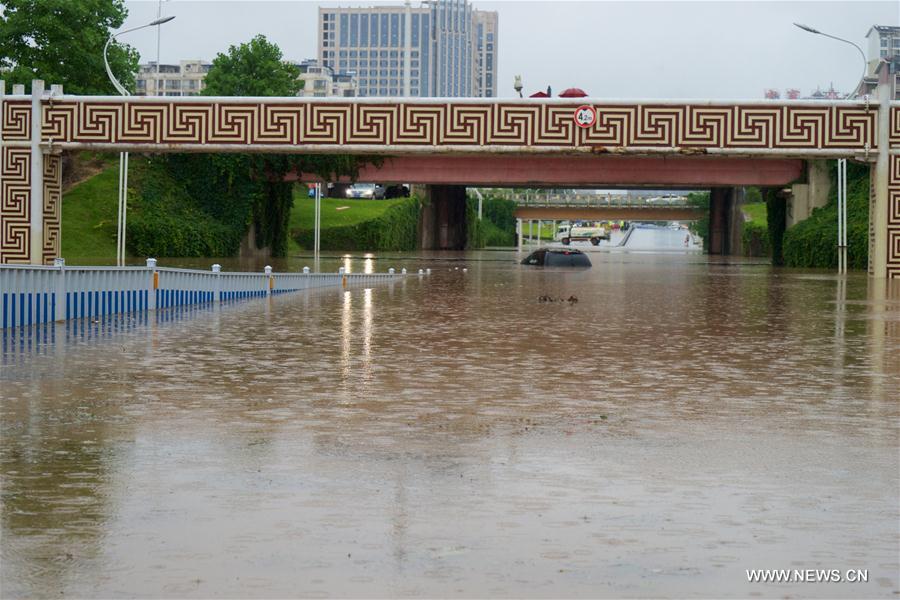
(32, 295)
(33, 128)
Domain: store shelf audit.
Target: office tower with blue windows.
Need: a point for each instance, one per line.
(442, 48)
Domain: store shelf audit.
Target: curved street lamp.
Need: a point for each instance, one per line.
(841, 163)
(123, 156)
(817, 32)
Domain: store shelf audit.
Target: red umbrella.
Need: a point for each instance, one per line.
(573, 93)
(539, 95)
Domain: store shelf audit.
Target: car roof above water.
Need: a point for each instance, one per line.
(557, 257)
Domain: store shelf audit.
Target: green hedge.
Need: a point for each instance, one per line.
(497, 226)
(813, 242)
(164, 219)
(700, 227)
(396, 229)
(755, 239)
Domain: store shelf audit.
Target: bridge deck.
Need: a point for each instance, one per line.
(611, 213)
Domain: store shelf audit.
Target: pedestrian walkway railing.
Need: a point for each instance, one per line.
(543, 198)
(41, 294)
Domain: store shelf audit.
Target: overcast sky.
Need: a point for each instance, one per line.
(636, 49)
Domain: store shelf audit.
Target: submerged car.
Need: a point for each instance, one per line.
(557, 257)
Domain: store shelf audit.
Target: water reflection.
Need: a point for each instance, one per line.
(683, 421)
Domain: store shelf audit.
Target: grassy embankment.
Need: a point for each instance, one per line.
(336, 212)
(755, 233)
(89, 218)
(812, 243)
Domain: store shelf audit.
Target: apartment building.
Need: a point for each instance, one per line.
(320, 81)
(184, 79)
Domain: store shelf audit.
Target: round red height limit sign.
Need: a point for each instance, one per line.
(585, 116)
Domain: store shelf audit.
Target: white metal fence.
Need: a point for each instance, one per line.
(31, 295)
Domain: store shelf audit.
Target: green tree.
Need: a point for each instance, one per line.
(61, 41)
(216, 197)
(256, 68)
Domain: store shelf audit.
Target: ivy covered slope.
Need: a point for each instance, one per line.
(813, 242)
(204, 204)
(357, 224)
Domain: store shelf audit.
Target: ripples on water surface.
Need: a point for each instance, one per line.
(682, 422)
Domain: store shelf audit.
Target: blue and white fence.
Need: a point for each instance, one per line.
(31, 295)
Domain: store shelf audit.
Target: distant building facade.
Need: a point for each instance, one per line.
(883, 52)
(320, 81)
(184, 79)
(484, 43)
(188, 78)
(794, 94)
(439, 48)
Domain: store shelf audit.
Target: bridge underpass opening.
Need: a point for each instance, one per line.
(446, 177)
(539, 213)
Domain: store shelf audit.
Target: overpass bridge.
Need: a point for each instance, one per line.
(553, 206)
(452, 143)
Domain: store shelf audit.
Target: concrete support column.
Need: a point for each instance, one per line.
(717, 221)
(735, 221)
(442, 221)
(725, 221)
(884, 206)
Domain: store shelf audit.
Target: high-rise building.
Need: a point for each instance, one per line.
(484, 44)
(428, 50)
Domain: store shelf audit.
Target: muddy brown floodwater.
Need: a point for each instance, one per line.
(683, 422)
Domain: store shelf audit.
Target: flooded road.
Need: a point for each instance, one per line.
(685, 421)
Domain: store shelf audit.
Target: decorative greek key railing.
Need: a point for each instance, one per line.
(31, 295)
(35, 127)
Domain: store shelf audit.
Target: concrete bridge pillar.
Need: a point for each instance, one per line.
(884, 197)
(809, 195)
(442, 221)
(725, 221)
(30, 181)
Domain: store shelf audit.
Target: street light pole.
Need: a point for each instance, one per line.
(158, 44)
(817, 32)
(842, 162)
(123, 156)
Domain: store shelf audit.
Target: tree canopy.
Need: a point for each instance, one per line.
(256, 68)
(201, 203)
(61, 41)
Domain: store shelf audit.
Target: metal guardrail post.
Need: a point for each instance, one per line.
(152, 284)
(217, 283)
(60, 308)
(270, 281)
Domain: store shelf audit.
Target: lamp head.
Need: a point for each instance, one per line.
(518, 83)
(163, 20)
(807, 28)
